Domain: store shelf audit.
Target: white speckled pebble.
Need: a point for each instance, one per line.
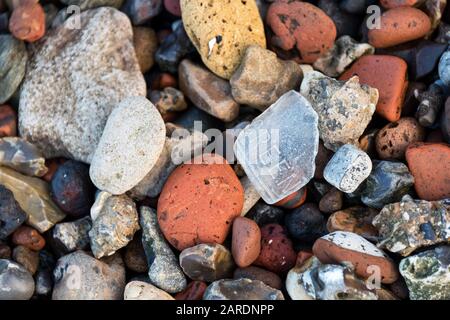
(129, 147)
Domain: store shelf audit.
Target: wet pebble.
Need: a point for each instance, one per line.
(27, 22)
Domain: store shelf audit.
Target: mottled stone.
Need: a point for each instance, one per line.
(43, 282)
(344, 52)
(262, 78)
(246, 241)
(13, 61)
(164, 271)
(348, 168)
(331, 201)
(27, 258)
(71, 236)
(22, 156)
(241, 289)
(64, 106)
(33, 196)
(16, 283)
(344, 108)
(121, 161)
(410, 224)
(388, 183)
(168, 100)
(193, 291)
(114, 222)
(139, 290)
(8, 121)
(28, 237)
(354, 219)
(444, 68)
(11, 214)
(207, 262)
(142, 11)
(427, 274)
(79, 276)
(264, 214)
(306, 223)
(27, 21)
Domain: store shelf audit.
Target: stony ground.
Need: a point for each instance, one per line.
(226, 149)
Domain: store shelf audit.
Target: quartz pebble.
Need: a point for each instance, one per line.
(220, 35)
(207, 262)
(11, 214)
(286, 161)
(241, 289)
(246, 242)
(410, 224)
(164, 271)
(16, 282)
(29, 238)
(27, 258)
(71, 236)
(121, 161)
(142, 11)
(139, 290)
(344, 108)
(207, 91)
(262, 78)
(348, 168)
(107, 283)
(354, 219)
(426, 274)
(114, 222)
(255, 273)
(305, 223)
(351, 249)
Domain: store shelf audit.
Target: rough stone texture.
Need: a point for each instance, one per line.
(278, 149)
(168, 100)
(16, 283)
(410, 224)
(222, 33)
(71, 236)
(344, 108)
(207, 91)
(22, 156)
(164, 271)
(11, 214)
(262, 78)
(207, 262)
(89, 4)
(13, 62)
(33, 196)
(76, 277)
(138, 290)
(388, 183)
(121, 161)
(241, 289)
(114, 222)
(344, 52)
(427, 274)
(64, 106)
(444, 64)
(348, 168)
(354, 219)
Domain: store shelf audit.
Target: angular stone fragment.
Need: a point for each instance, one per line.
(22, 156)
(388, 183)
(79, 276)
(344, 52)
(262, 78)
(348, 168)
(64, 106)
(164, 271)
(11, 214)
(71, 236)
(33, 196)
(16, 283)
(241, 289)
(207, 91)
(344, 108)
(251, 195)
(278, 149)
(139, 290)
(410, 224)
(114, 222)
(354, 219)
(207, 262)
(427, 274)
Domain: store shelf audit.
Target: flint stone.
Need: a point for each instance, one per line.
(13, 62)
(241, 289)
(164, 271)
(64, 106)
(33, 196)
(16, 283)
(71, 236)
(11, 214)
(79, 276)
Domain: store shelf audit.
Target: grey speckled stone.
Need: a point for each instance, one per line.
(427, 274)
(348, 168)
(22, 156)
(13, 61)
(71, 236)
(75, 79)
(164, 271)
(16, 283)
(241, 289)
(79, 276)
(130, 146)
(410, 224)
(115, 221)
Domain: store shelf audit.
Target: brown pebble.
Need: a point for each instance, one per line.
(27, 22)
(331, 201)
(5, 251)
(256, 273)
(26, 257)
(145, 45)
(193, 291)
(28, 237)
(8, 121)
(246, 241)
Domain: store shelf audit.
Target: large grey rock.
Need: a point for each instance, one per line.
(13, 61)
(79, 276)
(75, 79)
(16, 283)
(122, 160)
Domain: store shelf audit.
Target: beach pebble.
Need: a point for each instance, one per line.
(251, 195)
(27, 22)
(11, 214)
(431, 102)
(139, 290)
(193, 291)
(29, 238)
(16, 282)
(354, 219)
(246, 242)
(294, 200)
(331, 201)
(27, 258)
(241, 289)
(134, 257)
(264, 214)
(71, 236)
(145, 46)
(8, 121)
(255, 273)
(305, 223)
(142, 11)
(389, 4)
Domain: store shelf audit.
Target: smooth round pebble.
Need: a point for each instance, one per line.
(139, 290)
(246, 242)
(28, 237)
(305, 223)
(16, 283)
